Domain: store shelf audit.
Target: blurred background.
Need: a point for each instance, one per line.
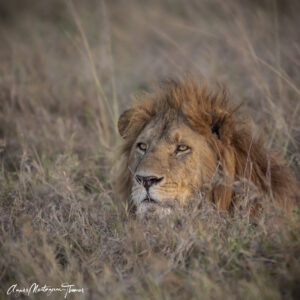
(68, 68)
(67, 71)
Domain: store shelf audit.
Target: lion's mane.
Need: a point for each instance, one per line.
(241, 155)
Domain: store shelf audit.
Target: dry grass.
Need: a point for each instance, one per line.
(67, 69)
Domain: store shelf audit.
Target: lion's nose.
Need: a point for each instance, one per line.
(148, 181)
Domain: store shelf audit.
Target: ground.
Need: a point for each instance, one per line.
(67, 71)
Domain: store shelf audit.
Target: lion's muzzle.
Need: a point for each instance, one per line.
(148, 181)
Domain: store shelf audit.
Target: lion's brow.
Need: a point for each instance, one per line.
(173, 139)
(164, 129)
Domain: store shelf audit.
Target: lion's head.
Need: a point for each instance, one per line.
(182, 139)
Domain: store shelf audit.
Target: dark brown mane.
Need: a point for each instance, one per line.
(241, 156)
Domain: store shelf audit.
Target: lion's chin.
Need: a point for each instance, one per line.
(151, 209)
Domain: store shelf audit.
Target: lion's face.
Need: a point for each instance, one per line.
(183, 139)
(165, 162)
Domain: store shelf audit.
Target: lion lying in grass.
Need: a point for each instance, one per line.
(182, 140)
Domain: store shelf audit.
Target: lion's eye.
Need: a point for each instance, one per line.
(182, 148)
(142, 146)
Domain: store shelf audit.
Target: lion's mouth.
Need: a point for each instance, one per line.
(149, 200)
(165, 204)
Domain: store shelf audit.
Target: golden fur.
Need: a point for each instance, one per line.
(226, 145)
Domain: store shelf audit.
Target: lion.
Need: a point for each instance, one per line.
(183, 138)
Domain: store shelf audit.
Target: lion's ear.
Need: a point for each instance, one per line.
(124, 121)
(221, 125)
(215, 128)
